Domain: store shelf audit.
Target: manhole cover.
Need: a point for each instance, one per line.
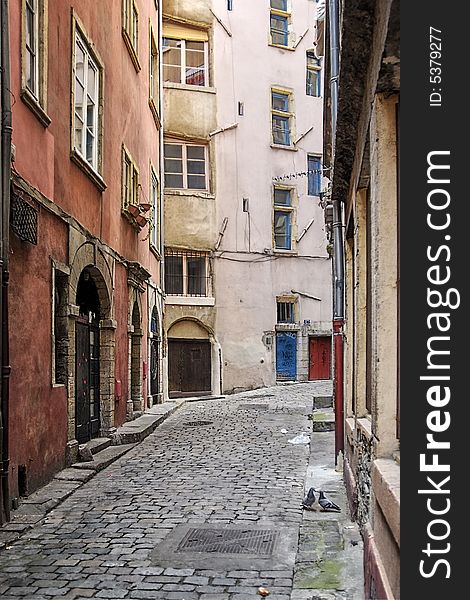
(229, 541)
(197, 423)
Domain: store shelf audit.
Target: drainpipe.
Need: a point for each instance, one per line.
(6, 129)
(337, 230)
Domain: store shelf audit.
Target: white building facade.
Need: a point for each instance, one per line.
(272, 269)
(248, 270)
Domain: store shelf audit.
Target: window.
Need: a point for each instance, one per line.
(34, 58)
(154, 81)
(86, 101)
(130, 29)
(283, 218)
(313, 75)
(314, 175)
(279, 25)
(60, 326)
(285, 311)
(281, 118)
(155, 202)
(185, 166)
(186, 273)
(130, 181)
(185, 61)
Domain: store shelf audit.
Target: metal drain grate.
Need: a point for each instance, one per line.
(198, 423)
(229, 541)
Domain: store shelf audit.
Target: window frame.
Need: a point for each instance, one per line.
(289, 301)
(35, 99)
(155, 200)
(185, 255)
(314, 179)
(182, 66)
(130, 30)
(316, 70)
(130, 184)
(184, 159)
(288, 210)
(93, 171)
(281, 15)
(154, 76)
(287, 116)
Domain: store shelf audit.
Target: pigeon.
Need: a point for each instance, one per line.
(309, 498)
(326, 503)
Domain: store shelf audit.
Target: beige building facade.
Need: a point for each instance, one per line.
(248, 272)
(366, 182)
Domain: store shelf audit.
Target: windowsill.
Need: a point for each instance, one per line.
(190, 300)
(284, 147)
(156, 116)
(191, 88)
(131, 49)
(385, 475)
(89, 171)
(365, 425)
(58, 385)
(127, 215)
(287, 327)
(282, 47)
(280, 252)
(196, 194)
(35, 107)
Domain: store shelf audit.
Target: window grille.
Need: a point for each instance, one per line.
(187, 273)
(285, 312)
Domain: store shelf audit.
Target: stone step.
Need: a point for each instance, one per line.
(97, 444)
(322, 401)
(104, 458)
(135, 431)
(323, 420)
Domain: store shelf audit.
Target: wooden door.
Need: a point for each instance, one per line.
(286, 355)
(189, 367)
(87, 388)
(319, 358)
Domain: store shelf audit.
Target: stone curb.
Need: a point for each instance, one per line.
(35, 507)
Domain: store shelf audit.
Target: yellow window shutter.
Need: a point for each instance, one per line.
(179, 31)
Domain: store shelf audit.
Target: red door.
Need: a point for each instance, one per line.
(319, 358)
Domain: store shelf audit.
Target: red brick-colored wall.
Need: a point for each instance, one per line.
(38, 411)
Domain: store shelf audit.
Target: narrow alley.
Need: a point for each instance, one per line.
(209, 506)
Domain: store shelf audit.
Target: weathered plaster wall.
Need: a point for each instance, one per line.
(38, 409)
(195, 10)
(246, 68)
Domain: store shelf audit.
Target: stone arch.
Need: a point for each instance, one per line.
(90, 260)
(197, 324)
(89, 256)
(194, 365)
(135, 398)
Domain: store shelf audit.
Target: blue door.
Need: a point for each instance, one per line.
(286, 355)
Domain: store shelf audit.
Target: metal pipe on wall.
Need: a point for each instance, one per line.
(4, 254)
(337, 230)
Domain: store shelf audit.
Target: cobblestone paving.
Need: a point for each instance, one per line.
(239, 469)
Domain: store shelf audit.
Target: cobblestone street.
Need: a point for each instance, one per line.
(213, 465)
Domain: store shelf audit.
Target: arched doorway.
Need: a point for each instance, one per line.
(135, 375)
(87, 358)
(154, 357)
(189, 360)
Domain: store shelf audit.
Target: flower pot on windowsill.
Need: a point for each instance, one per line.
(141, 220)
(133, 210)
